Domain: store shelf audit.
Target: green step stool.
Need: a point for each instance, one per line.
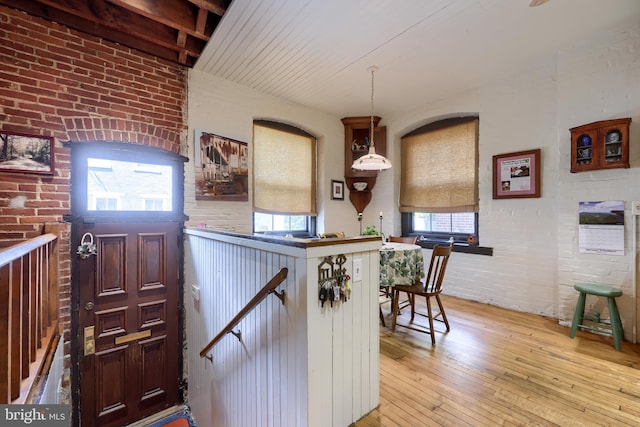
(614, 323)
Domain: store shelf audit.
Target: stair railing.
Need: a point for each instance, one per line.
(28, 315)
(269, 288)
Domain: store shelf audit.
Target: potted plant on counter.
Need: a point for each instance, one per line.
(370, 230)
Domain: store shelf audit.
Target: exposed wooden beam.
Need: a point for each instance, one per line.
(177, 14)
(175, 30)
(182, 39)
(201, 22)
(214, 6)
(110, 22)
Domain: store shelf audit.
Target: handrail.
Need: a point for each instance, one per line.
(29, 274)
(266, 290)
(21, 249)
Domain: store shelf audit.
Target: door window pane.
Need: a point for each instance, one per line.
(116, 185)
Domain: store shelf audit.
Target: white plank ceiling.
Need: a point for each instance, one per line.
(318, 52)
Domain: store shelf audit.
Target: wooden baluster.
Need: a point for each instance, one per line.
(46, 291)
(26, 314)
(5, 335)
(38, 284)
(33, 307)
(53, 280)
(15, 276)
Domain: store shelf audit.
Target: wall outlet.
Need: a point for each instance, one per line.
(357, 270)
(635, 208)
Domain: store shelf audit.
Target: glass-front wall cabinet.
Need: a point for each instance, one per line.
(600, 145)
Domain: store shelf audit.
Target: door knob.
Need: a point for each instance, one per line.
(89, 306)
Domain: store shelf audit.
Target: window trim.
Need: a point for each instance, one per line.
(310, 232)
(406, 219)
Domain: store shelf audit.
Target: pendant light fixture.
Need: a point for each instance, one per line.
(371, 161)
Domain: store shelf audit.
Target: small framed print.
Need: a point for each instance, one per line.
(516, 174)
(337, 190)
(26, 153)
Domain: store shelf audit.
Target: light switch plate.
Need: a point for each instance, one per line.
(635, 208)
(195, 292)
(357, 270)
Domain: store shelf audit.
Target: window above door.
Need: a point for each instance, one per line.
(117, 180)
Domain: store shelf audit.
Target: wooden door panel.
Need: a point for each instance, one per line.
(111, 391)
(152, 314)
(154, 365)
(109, 324)
(133, 285)
(111, 265)
(151, 260)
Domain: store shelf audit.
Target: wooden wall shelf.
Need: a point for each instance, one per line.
(356, 144)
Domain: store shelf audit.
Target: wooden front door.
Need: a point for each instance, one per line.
(128, 311)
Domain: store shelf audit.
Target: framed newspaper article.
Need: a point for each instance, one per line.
(516, 174)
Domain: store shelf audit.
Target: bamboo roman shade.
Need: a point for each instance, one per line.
(284, 170)
(440, 169)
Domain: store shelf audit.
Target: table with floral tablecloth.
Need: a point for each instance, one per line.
(400, 264)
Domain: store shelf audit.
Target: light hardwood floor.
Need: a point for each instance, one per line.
(500, 367)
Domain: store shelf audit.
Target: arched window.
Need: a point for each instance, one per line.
(284, 179)
(439, 180)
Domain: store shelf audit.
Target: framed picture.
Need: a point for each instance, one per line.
(337, 190)
(221, 167)
(25, 153)
(516, 174)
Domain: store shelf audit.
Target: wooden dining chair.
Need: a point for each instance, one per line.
(430, 289)
(386, 293)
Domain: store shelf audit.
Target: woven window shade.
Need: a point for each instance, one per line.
(284, 172)
(439, 170)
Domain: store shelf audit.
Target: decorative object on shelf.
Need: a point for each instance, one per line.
(600, 145)
(332, 235)
(337, 190)
(472, 240)
(360, 186)
(360, 221)
(87, 247)
(516, 175)
(371, 160)
(26, 153)
(334, 284)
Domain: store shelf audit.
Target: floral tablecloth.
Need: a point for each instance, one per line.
(400, 264)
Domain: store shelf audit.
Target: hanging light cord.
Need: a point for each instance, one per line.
(371, 130)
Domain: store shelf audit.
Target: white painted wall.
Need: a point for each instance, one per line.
(298, 364)
(536, 258)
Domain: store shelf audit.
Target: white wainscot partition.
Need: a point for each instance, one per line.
(297, 364)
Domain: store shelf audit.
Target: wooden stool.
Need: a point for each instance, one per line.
(614, 323)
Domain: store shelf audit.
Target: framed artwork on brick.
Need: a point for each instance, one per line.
(26, 153)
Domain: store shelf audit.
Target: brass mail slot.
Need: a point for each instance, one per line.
(132, 337)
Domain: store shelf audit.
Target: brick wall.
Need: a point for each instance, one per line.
(74, 87)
